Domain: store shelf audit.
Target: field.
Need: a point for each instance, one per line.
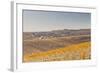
(57, 45)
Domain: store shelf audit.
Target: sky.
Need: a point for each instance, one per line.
(37, 21)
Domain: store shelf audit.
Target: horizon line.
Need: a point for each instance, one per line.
(59, 29)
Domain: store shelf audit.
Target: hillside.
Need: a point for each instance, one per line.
(36, 44)
(56, 33)
(74, 52)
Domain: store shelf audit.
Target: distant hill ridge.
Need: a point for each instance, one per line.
(58, 33)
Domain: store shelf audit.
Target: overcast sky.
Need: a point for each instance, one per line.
(36, 21)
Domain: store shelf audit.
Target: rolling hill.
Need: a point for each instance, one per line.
(56, 45)
(74, 52)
